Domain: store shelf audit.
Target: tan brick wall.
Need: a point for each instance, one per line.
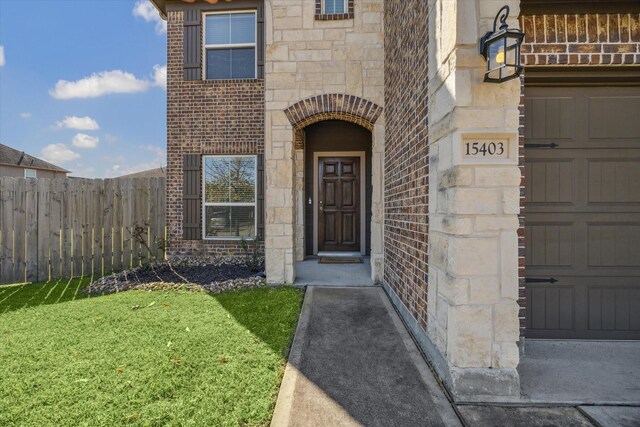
(205, 117)
(406, 168)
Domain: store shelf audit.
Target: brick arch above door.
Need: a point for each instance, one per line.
(333, 106)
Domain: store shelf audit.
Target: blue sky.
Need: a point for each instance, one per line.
(83, 83)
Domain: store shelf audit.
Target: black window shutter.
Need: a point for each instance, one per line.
(260, 42)
(191, 197)
(192, 44)
(260, 197)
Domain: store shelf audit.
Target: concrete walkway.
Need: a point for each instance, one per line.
(353, 363)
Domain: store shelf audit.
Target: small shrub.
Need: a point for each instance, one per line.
(138, 233)
(252, 252)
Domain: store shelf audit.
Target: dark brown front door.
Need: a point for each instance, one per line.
(339, 204)
(582, 215)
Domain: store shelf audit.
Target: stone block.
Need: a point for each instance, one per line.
(475, 118)
(509, 265)
(334, 34)
(498, 176)
(467, 22)
(484, 290)
(505, 355)
(280, 81)
(506, 326)
(453, 289)
(442, 311)
(438, 250)
(286, 23)
(474, 201)
(456, 176)
(473, 256)
(469, 336)
(511, 200)
(277, 52)
(451, 224)
(302, 35)
(492, 223)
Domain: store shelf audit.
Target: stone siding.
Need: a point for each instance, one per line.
(472, 310)
(205, 117)
(307, 57)
(406, 168)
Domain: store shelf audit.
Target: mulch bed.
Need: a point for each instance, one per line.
(212, 274)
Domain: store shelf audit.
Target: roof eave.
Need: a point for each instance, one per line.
(161, 5)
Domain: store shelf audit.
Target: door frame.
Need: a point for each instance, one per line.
(363, 171)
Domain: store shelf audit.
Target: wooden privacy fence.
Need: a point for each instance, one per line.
(52, 228)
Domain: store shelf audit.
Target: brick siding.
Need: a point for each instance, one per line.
(205, 117)
(406, 169)
(333, 106)
(581, 39)
(572, 40)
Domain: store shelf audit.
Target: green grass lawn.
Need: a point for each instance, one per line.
(142, 358)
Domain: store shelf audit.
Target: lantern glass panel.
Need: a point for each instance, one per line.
(512, 50)
(496, 54)
(494, 74)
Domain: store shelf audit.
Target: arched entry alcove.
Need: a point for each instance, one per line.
(341, 134)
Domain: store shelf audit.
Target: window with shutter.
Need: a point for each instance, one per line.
(230, 45)
(230, 197)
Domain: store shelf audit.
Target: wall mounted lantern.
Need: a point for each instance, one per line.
(501, 49)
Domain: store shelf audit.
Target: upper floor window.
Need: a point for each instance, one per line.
(334, 7)
(30, 173)
(230, 45)
(333, 10)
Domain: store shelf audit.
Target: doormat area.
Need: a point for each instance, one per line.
(340, 260)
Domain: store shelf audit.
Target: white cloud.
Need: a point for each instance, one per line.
(83, 170)
(2, 56)
(145, 10)
(25, 115)
(79, 123)
(120, 167)
(99, 84)
(82, 140)
(160, 76)
(58, 153)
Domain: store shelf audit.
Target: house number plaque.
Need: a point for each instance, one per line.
(484, 149)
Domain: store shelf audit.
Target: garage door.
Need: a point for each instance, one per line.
(582, 212)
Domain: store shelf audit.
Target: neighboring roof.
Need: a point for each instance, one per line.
(151, 173)
(12, 157)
